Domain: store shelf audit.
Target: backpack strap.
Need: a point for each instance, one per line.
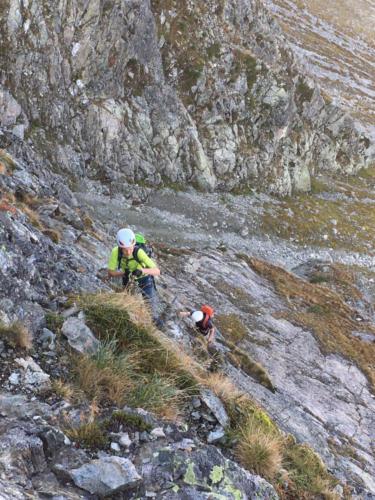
(135, 253)
(119, 257)
(205, 320)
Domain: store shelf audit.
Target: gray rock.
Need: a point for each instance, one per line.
(124, 440)
(158, 432)
(18, 406)
(32, 376)
(48, 339)
(115, 447)
(14, 378)
(216, 435)
(79, 336)
(216, 406)
(106, 476)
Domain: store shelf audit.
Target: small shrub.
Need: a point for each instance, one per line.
(104, 383)
(307, 470)
(222, 386)
(17, 335)
(62, 389)
(89, 435)
(258, 450)
(129, 420)
(54, 321)
(156, 394)
(52, 234)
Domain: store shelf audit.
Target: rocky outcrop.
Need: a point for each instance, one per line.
(121, 93)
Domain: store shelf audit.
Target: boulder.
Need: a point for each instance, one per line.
(106, 476)
(79, 336)
(216, 406)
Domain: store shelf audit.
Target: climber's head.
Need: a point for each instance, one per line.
(197, 316)
(126, 241)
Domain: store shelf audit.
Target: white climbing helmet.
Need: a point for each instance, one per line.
(125, 238)
(197, 316)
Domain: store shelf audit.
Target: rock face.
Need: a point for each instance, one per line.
(121, 93)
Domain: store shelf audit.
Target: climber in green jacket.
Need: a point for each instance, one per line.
(128, 260)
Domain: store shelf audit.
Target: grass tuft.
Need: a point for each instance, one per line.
(62, 389)
(157, 394)
(243, 361)
(231, 327)
(17, 335)
(129, 420)
(306, 470)
(259, 451)
(52, 234)
(54, 321)
(88, 435)
(222, 386)
(154, 373)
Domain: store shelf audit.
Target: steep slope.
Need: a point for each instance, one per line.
(336, 45)
(121, 92)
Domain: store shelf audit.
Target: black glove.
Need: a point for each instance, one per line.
(137, 273)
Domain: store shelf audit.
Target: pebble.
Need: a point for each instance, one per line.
(115, 447)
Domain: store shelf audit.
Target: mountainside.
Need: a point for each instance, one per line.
(182, 120)
(122, 92)
(335, 44)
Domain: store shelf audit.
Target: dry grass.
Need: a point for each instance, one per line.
(7, 161)
(153, 374)
(52, 234)
(17, 335)
(240, 359)
(156, 374)
(62, 389)
(231, 327)
(345, 223)
(222, 386)
(104, 383)
(258, 451)
(323, 311)
(31, 215)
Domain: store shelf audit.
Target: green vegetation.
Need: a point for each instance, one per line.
(138, 366)
(343, 223)
(304, 93)
(231, 327)
(54, 321)
(243, 361)
(307, 471)
(213, 51)
(244, 62)
(16, 335)
(259, 451)
(128, 420)
(89, 435)
(135, 365)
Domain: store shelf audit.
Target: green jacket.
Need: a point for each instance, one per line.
(129, 262)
